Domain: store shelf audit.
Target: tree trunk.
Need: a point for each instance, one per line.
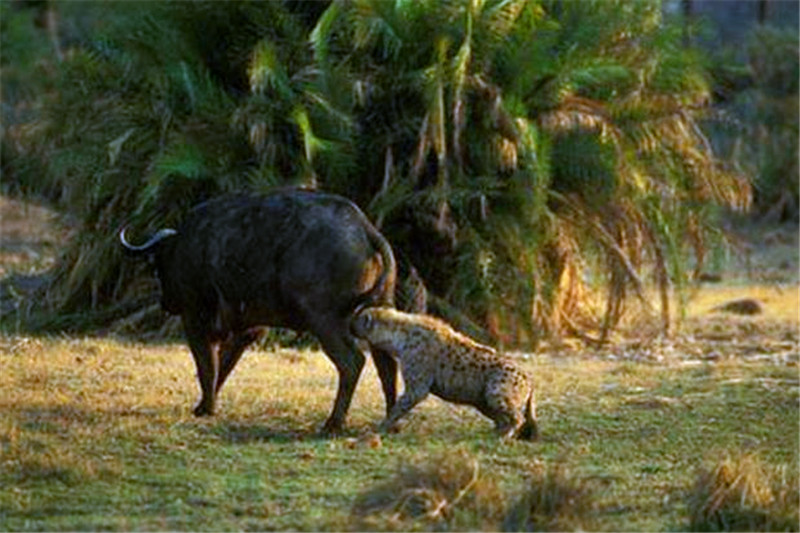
(686, 7)
(763, 11)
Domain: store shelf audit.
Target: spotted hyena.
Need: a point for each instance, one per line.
(434, 358)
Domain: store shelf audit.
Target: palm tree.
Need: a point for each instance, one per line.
(536, 160)
(510, 147)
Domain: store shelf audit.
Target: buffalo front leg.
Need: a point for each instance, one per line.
(349, 361)
(231, 351)
(207, 361)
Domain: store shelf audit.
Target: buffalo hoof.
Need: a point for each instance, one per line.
(203, 410)
(387, 429)
(331, 429)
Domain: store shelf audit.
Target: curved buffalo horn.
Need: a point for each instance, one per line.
(158, 237)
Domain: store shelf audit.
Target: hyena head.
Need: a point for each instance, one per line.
(378, 326)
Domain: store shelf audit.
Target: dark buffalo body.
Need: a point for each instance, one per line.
(294, 258)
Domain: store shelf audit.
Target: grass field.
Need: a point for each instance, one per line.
(97, 434)
(700, 431)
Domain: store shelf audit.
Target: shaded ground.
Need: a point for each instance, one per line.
(29, 238)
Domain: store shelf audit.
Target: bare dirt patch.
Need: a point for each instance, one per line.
(30, 236)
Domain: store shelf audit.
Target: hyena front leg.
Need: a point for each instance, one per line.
(415, 391)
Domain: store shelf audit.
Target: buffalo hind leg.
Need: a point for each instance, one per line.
(231, 351)
(386, 365)
(207, 360)
(342, 350)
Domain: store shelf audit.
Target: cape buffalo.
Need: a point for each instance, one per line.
(293, 258)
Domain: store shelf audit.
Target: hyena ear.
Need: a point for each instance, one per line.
(361, 322)
(366, 321)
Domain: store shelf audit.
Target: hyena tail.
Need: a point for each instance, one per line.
(530, 428)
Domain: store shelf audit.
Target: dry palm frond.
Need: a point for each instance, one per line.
(460, 68)
(577, 113)
(580, 215)
(433, 490)
(421, 150)
(669, 131)
(740, 493)
(630, 247)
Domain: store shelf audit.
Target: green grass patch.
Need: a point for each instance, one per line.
(98, 434)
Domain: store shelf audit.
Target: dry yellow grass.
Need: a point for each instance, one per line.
(740, 493)
(107, 378)
(555, 500)
(445, 490)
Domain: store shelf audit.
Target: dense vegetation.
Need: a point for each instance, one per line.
(537, 162)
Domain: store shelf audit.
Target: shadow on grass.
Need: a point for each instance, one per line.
(54, 419)
(236, 432)
(57, 420)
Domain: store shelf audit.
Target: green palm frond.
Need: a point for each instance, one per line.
(499, 19)
(378, 24)
(266, 71)
(542, 162)
(320, 36)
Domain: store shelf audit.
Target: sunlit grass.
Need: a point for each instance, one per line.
(98, 434)
(780, 302)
